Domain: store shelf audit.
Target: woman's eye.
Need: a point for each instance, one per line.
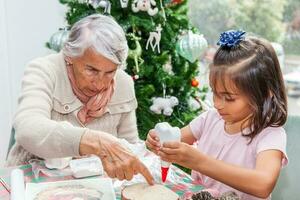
(109, 73)
(91, 71)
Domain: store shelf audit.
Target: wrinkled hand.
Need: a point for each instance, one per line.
(152, 142)
(180, 153)
(118, 161)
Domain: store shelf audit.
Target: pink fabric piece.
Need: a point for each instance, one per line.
(94, 106)
(213, 140)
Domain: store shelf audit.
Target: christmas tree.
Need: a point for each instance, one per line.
(162, 59)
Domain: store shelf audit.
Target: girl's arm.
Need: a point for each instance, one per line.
(187, 135)
(258, 182)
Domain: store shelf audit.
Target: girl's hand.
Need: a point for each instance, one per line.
(181, 153)
(152, 141)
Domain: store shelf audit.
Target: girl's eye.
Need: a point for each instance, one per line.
(228, 98)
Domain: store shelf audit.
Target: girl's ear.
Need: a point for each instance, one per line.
(271, 94)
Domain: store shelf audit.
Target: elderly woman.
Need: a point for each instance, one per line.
(79, 101)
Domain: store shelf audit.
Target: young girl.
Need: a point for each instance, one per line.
(241, 145)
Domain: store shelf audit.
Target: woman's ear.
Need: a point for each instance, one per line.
(68, 60)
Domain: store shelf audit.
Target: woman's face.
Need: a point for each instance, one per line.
(232, 104)
(93, 72)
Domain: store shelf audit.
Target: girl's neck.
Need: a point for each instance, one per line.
(236, 127)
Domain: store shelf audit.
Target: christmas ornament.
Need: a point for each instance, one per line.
(194, 82)
(124, 3)
(203, 195)
(135, 77)
(190, 46)
(205, 104)
(136, 53)
(145, 5)
(154, 39)
(163, 10)
(230, 195)
(194, 104)
(58, 39)
(101, 4)
(176, 1)
(170, 3)
(168, 67)
(164, 105)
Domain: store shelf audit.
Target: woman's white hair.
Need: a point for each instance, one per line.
(101, 33)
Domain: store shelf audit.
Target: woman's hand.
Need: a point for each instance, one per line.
(118, 161)
(181, 153)
(152, 142)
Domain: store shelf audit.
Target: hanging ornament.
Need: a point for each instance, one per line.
(154, 39)
(170, 3)
(58, 39)
(194, 82)
(136, 53)
(176, 1)
(135, 77)
(168, 67)
(163, 11)
(145, 5)
(191, 46)
(124, 3)
(164, 105)
(194, 104)
(205, 104)
(101, 4)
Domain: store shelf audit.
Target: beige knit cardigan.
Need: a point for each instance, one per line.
(46, 122)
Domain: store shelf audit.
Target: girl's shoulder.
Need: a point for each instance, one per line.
(207, 120)
(274, 138)
(211, 115)
(274, 131)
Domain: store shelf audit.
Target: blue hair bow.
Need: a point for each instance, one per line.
(231, 38)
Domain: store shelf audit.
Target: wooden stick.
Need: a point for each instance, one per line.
(4, 185)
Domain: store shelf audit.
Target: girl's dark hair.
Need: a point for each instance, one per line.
(253, 67)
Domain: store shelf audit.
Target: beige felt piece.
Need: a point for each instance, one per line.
(143, 191)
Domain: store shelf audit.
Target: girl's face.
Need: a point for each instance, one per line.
(93, 72)
(231, 104)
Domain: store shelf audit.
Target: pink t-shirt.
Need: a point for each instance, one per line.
(212, 140)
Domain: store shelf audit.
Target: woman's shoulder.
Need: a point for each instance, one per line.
(123, 78)
(51, 63)
(124, 89)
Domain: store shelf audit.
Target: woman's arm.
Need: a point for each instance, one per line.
(117, 160)
(47, 138)
(35, 130)
(258, 182)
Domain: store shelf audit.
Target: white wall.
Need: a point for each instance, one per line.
(25, 26)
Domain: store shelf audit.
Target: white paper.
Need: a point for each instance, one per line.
(17, 185)
(83, 189)
(84, 167)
